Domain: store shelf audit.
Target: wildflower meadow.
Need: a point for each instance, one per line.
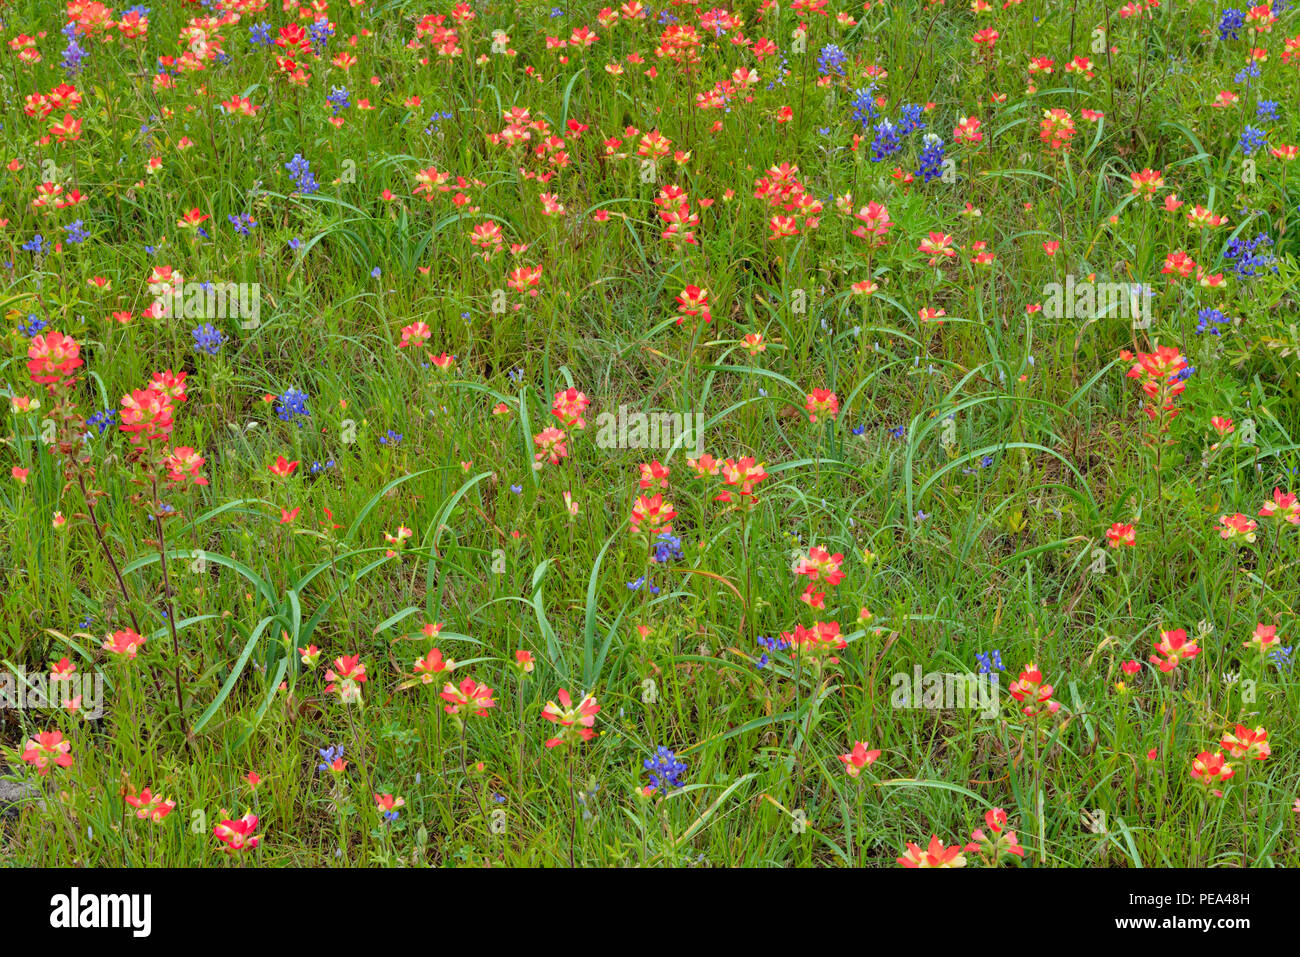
(546, 434)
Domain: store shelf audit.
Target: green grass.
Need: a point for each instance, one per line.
(981, 532)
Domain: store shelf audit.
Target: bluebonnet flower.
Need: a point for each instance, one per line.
(294, 243)
(498, 798)
(665, 769)
(76, 232)
(667, 547)
(1230, 23)
(302, 175)
(910, 119)
(556, 13)
(259, 34)
(1246, 257)
(773, 645)
(931, 158)
(102, 420)
(898, 432)
(1247, 73)
(831, 59)
(329, 756)
(435, 120)
(1281, 657)
(35, 245)
(1252, 138)
(242, 222)
(517, 489)
(986, 461)
(391, 438)
(886, 142)
(207, 338)
(1266, 110)
(636, 583)
(293, 404)
(33, 326)
(990, 661)
(858, 429)
(338, 99)
(73, 53)
(318, 467)
(864, 106)
(1209, 320)
(376, 273)
(782, 72)
(321, 30)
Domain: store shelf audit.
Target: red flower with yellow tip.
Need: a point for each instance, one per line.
(1173, 647)
(1211, 769)
(858, 759)
(149, 806)
(1121, 534)
(1284, 506)
(124, 642)
(936, 855)
(1030, 688)
(575, 721)
(238, 834)
(653, 513)
(47, 750)
(469, 695)
(1245, 743)
(1002, 842)
(822, 402)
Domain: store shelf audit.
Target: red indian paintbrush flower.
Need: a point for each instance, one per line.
(125, 643)
(1121, 534)
(1030, 688)
(149, 806)
(936, 855)
(822, 402)
(575, 721)
(50, 359)
(858, 759)
(1284, 506)
(1211, 769)
(346, 678)
(1003, 842)
(1263, 639)
(653, 513)
(46, 750)
(1173, 647)
(238, 834)
(470, 696)
(1245, 743)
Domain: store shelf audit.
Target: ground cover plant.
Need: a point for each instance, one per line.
(511, 433)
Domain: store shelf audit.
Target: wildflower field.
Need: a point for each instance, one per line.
(813, 433)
